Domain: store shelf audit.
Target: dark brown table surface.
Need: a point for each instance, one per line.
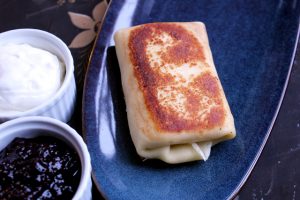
(276, 174)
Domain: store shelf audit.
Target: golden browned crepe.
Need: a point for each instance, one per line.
(176, 106)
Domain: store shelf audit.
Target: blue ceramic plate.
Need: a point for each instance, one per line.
(253, 46)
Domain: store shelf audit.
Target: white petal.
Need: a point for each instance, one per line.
(81, 21)
(99, 11)
(83, 39)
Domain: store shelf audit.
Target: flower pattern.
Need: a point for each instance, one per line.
(88, 24)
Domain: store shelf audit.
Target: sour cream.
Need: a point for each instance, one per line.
(29, 76)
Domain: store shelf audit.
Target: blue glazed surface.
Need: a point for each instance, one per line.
(252, 43)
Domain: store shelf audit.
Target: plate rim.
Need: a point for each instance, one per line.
(271, 126)
(245, 178)
(90, 58)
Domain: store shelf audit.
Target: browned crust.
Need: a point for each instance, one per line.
(185, 48)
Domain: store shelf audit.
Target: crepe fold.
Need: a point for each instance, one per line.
(176, 106)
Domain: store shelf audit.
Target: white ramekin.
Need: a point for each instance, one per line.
(29, 127)
(61, 105)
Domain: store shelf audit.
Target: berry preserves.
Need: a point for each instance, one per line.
(38, 168)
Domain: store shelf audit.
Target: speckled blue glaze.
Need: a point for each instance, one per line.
(253, 45)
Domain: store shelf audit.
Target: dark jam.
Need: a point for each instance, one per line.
(38, 168)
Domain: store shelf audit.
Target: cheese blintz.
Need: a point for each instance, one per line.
(176, 106)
